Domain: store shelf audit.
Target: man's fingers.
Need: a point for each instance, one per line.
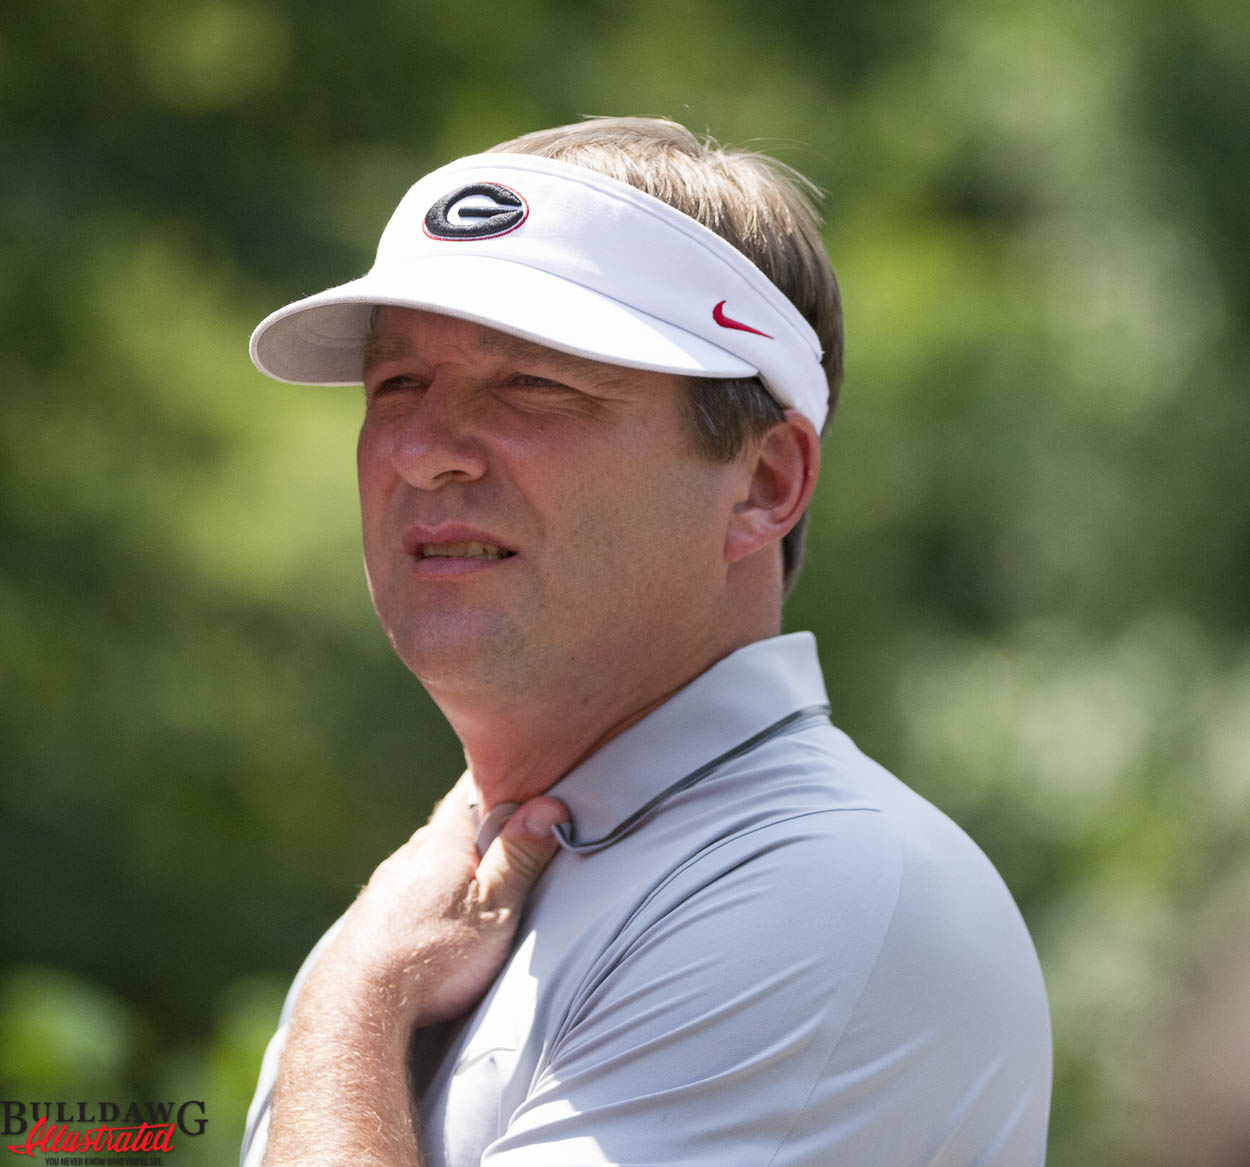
(517, 857)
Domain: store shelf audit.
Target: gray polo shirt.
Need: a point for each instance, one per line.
(755, 947)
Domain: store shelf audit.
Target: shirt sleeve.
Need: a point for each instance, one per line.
(807, 994)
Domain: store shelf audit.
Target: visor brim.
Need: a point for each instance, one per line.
(319, 340)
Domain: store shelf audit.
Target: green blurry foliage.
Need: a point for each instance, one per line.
(57, 1027)
(1029, 549)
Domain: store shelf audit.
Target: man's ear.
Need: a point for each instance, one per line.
(783, 467)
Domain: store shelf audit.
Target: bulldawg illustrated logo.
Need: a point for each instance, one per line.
(145, 1129)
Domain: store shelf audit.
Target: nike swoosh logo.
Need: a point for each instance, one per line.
(718, 314)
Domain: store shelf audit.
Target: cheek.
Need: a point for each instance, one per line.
(368, 456)
(590, 545)
(375, 474)
(373, 479)
(648, 538)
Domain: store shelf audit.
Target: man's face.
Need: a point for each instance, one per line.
(533, 519)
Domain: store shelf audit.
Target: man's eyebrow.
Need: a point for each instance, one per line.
(384, 346)
(517, 348)
(381, 346)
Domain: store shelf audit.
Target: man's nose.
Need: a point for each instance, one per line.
(438, 440)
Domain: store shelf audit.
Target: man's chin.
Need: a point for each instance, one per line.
(478, 652)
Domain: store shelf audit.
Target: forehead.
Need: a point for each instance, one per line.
(401, 334)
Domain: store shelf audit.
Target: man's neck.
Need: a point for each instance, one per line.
(518, 746)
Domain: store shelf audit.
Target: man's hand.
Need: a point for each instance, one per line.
(433, 926)
(421, 944)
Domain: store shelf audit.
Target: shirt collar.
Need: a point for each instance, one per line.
(736, 699)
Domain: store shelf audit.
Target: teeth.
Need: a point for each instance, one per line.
(463, 551)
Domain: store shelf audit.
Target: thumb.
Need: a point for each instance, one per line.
(519, 854)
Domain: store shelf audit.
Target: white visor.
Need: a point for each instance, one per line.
(570, 259)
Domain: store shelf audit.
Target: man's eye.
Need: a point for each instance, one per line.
(394, 385)
(533, 381)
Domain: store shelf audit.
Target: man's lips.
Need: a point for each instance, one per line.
(465, 549)
(453, 548)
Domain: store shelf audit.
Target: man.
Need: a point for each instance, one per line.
(669, 914)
